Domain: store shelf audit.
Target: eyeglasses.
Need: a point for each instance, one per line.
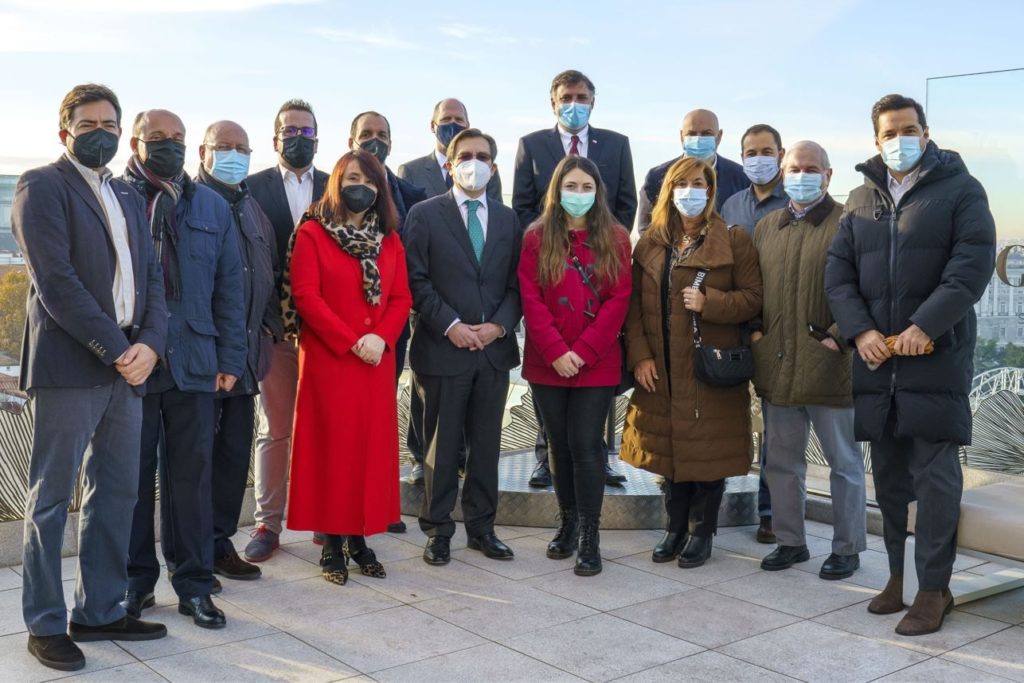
(292, 131)
(479, 156)
(241, 149)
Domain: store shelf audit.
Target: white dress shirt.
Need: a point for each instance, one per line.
(583, 135)
(299, 191)
(897, 189)
(441, 161)
(123, 288)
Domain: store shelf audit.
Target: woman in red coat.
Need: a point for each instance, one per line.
(347, 293)
(575, 282)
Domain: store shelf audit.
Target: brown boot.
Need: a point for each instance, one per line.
(890, 600)
(926, 614)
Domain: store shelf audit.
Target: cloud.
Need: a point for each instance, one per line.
(386, 40)
(136, 7)
(472, 31)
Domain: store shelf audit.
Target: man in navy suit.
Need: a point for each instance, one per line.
(284, 192)
(700, 136)
(463, 251)
(572, 101)
(96, 327)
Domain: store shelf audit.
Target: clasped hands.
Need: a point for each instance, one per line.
(874, 351)
(474, 337)
(136, 364)
(370, 349)
(568, 364)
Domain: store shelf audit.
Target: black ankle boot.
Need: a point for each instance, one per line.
(696, 552)
(566, 539)
(588, 559)
(669, 546)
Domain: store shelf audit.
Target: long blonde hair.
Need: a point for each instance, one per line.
(666, 223)
(553, 226)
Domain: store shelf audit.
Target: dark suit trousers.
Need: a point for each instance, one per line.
(907, 469)
(183, 456)
(234, 417)
(472, 403)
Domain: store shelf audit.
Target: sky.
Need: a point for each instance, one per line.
(811, 69)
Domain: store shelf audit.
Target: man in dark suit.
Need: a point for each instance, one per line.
(463, 252)
(700, 136)
(197, 245)
(96, 326)
(284, 192)
(430, 172)
(572, 100)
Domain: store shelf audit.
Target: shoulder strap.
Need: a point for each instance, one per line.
(698, 281)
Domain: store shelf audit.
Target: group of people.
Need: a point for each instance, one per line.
(162, 305)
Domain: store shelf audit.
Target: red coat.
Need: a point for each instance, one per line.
(556, 322)
(344, 472)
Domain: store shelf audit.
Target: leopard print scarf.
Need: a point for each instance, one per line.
(362, 243)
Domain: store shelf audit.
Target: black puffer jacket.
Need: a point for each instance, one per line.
(926, 261)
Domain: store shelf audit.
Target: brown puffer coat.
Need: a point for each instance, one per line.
(693, 432)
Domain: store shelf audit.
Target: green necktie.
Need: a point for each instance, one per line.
(476, 228)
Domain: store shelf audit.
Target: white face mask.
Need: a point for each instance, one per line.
(472, 175)
(690, 201)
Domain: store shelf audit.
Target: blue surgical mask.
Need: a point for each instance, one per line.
(230, 166)
(574, 115)
(803, 188)
(902, 152)
(701, 147)
(446, 131)
(690, 201)
(577, 204)
(761, 170)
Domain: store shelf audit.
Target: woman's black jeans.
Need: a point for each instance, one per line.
(693, 506)
(574, 419)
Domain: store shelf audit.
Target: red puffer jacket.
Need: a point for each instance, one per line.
(556, 320)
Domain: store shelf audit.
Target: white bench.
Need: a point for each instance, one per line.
(991, 529)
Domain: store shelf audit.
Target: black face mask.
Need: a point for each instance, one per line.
(377, 148)
(94, 149)
(358, 198)
(298, 151)
(165, 158)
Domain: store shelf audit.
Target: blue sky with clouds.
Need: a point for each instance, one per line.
(812, 69)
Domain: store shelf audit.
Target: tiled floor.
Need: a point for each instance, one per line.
(532, 619)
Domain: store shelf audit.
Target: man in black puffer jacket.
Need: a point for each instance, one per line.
(914, 253)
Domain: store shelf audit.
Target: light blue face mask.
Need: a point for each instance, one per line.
(690, 201)
(701, 147)
(902, 152)
(230, 166)
(761, 170)
(577, 204)
(574, 115)
(803, 188)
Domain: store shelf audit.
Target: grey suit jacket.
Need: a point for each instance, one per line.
(448, 284)
(425, 173)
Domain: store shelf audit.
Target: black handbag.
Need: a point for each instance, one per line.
(720, 367)
(625, 376)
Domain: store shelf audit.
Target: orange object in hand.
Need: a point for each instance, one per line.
(890, 342)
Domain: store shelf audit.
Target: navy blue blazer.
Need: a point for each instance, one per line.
(405, 195)
(539, 153)
(267, 188)
(71, 335)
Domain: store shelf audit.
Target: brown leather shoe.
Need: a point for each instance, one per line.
(764, 532)
(890, 600)
(926, 614)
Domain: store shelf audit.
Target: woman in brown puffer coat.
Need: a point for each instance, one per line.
(693, 434)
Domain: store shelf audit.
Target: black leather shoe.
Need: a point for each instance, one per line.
(491, 547)
(839, 566)
(234, 567)
(541, 477)
(57, 652)
(669, 546)
(397, 528)
(696, 552)
(784, 557)
(203, 612)
(125, 628)
(764, 531)
(611, 477)
(135, 601)
(566, 539)
(415, 474)
(588, 559)
(438, 550)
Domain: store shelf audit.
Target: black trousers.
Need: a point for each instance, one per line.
(234, 418)
(574, 419)
(907, 469)
(469, 406)
(177, 440)
(693, 506)
(540, 446)
(414, 434)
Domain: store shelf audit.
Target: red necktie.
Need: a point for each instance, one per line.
(574, 146)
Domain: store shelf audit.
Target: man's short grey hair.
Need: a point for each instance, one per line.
(809, 144)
